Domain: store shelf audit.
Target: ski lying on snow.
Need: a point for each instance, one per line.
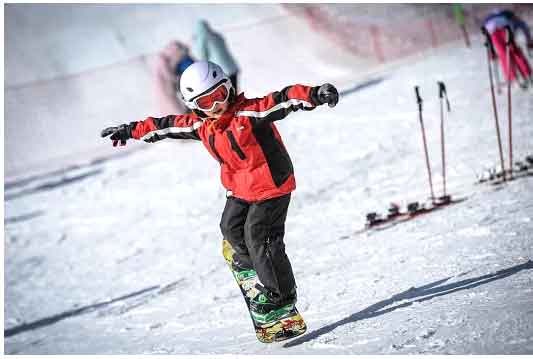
(495, 176)
(378, 222)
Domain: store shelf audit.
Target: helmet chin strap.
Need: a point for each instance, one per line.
(232, 96)
(200, 114)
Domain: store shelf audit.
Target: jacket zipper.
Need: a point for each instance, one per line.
(269, 255)
(268, 250)
(235, 146)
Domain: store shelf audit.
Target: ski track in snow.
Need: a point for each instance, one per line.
(457, 281)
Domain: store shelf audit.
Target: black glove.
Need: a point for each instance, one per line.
(327, 93)
(121, 133)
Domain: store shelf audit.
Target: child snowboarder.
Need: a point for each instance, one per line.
(256, 169)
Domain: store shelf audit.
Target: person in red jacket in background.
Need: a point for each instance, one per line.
(256, 170)
(495, 24)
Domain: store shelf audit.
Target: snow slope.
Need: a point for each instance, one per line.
(123, 256)
(94, 67)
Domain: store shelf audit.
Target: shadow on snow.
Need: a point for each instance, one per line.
(52, 184)
(361, 86)
(417, 295)
(60, 177)
(145, 295)
(23, 217)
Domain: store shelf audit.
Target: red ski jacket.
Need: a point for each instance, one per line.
(255, 165)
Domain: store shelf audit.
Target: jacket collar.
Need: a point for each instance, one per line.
(221, 123)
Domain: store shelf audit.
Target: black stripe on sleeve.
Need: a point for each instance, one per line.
(169, 121)
(164, 122)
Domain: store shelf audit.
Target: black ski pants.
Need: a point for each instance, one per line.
(255, 230)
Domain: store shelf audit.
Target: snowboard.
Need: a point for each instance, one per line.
(282, 324)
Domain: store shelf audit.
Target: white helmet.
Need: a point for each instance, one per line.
(200, 78)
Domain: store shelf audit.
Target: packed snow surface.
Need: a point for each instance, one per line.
(123, 255)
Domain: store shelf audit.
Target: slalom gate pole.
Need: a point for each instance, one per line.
(510, 66)
(465, 34)
(488, 45)
(459, 14)
(497, 77)
(494, 56)
(419, 101)
(442, 94)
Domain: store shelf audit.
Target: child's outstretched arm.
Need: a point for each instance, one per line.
(279, 104)
(155, 129)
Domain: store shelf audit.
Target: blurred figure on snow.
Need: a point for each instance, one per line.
(209, 45)
(495, 24)
(168, 67)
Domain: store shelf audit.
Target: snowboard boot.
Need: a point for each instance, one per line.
(265, 310)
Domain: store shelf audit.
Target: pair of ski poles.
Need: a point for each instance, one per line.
(492, 53)
(442, 95)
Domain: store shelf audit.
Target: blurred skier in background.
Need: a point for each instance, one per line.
(495, 24)
(168, 66)
(209, 45)
(256, 169)
(459, 15)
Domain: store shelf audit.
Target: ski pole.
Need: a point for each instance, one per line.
(494, 56)
(497, 77)
(510, 68)
(442, 95)
(488, 45)
(419, 101)
(459, 14)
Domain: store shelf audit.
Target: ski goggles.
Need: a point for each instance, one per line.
(208, 100)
